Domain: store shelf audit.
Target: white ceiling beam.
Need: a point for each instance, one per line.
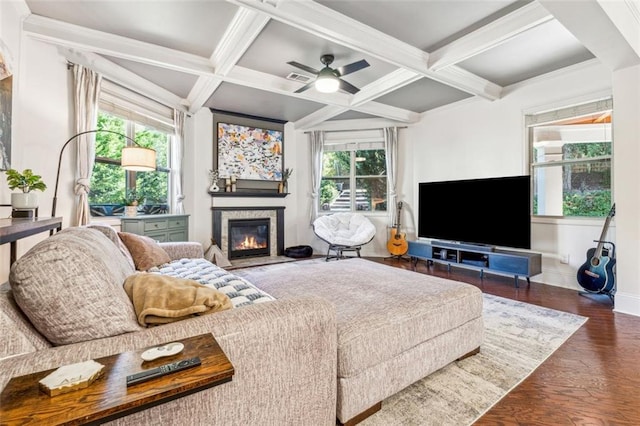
(596, 27)
(243, 29)
(330, 25)
(86, 39)
(319, 116)
(124, 77)
(390, 82)
(489, 36)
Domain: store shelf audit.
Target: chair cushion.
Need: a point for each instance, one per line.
(347, 229)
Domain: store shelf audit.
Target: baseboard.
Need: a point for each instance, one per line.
(626, 303)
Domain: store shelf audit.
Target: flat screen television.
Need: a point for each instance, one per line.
(491, 211)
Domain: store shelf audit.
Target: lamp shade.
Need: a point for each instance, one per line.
(327, 81)
(138, 159)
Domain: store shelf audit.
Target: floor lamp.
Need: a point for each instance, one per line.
(136, 158)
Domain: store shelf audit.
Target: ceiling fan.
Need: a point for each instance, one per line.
(328, 79)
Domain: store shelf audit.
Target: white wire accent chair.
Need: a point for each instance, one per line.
(344, 232)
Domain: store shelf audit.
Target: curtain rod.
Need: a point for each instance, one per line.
(356, 130)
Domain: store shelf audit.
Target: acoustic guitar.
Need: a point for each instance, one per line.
(596, 274)
(397, 244)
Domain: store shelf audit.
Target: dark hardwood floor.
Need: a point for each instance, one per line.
(592, 379)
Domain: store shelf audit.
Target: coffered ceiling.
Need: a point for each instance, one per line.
(232, 55)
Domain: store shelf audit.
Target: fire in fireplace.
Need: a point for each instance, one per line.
(248, 237)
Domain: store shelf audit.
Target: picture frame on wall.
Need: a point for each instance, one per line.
(6, 95)
(248, 152)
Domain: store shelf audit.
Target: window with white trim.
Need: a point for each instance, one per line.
(570, 151)
(112, 187)
(354, 178)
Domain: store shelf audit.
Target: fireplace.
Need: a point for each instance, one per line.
(227, 218)
(248, 237)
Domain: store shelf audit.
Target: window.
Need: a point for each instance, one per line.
(112, 186)
(353, 179)
(570, 151)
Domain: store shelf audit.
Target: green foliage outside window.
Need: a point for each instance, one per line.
(110, 183)
(586, 185)
(364, 169)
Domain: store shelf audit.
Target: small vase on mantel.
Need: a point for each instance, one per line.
(214, 187)
(281, 188)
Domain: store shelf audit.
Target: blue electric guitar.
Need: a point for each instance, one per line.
(596, 274)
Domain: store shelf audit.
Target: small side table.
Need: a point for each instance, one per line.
(109, 398)
(12, 230)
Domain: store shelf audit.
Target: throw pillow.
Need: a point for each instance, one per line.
(159, 299)
(145, 251)
(70, 287)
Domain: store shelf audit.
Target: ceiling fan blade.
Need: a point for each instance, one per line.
(348, 87)
(353, 67)
(305, 87)
(303, 67)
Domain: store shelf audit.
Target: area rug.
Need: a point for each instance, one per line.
(518, 338)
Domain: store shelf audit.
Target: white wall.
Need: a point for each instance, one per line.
(41, 121)
(626, 156)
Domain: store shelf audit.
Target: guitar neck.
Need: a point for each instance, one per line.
(603, 234)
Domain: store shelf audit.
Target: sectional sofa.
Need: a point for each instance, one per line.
(309, 341)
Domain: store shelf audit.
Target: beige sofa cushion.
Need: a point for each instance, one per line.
(70, 287)
(18, 335)
(382, 311)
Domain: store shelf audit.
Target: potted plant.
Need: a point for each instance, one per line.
(131, 201)
(27, 181)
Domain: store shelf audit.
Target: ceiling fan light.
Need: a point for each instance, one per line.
(327, 82)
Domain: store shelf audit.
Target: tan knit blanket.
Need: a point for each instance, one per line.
(160, 299)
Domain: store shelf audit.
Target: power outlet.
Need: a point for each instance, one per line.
(564, 258)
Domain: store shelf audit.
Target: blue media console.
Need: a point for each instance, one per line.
(484, 258)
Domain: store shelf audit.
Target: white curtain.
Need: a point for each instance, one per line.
(391, 153)
(177, 154)
(317, 148)
(86, 94)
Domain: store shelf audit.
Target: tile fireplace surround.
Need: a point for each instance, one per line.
(220, 225)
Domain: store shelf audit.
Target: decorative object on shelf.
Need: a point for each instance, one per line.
(227, 185)
(134, 158)
(283, 187)
(233, 184)
(213, 180)
(71, 377)
(27, 181)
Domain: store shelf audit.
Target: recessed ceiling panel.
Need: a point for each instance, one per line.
(279, 44)
(246, 100)
(545, 48)
(192, 26)
(422, 24)
(423, 95)
(178, 83)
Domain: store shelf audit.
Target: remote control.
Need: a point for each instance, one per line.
(163, 370)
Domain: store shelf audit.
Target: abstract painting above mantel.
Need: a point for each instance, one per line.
(249, 153)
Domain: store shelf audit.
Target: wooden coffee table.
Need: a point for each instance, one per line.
(108, 398)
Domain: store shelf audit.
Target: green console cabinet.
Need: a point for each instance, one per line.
(160, 227)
